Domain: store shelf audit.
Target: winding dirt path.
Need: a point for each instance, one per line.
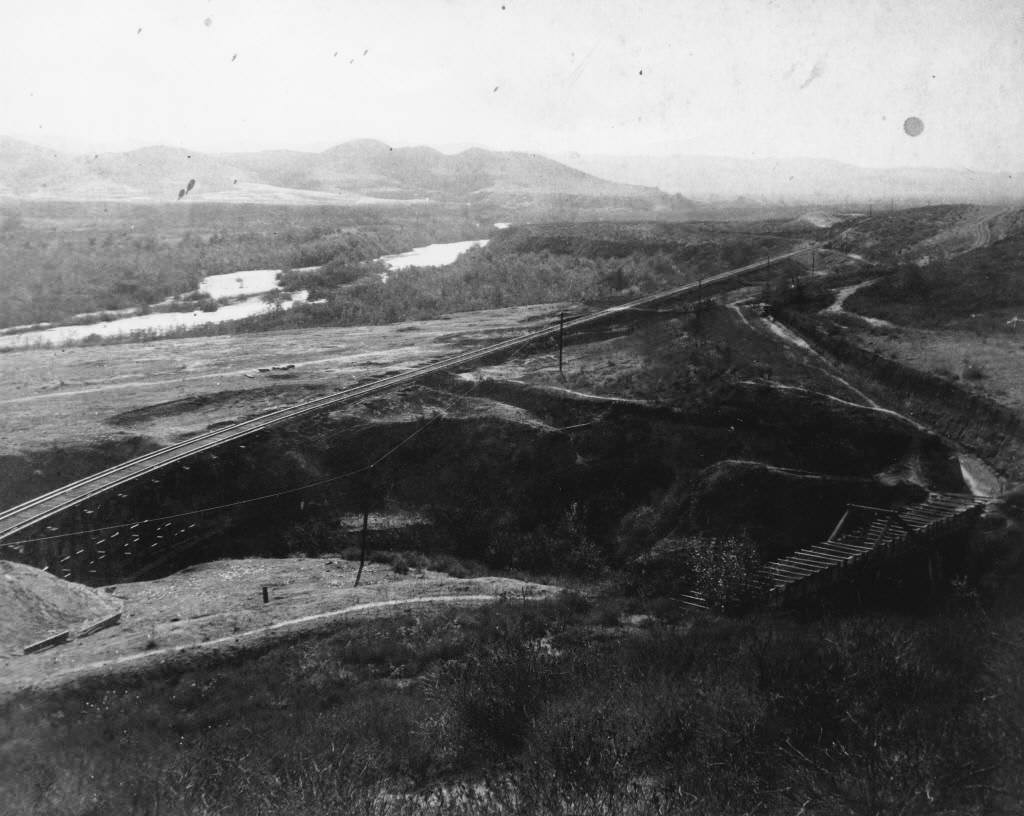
(980, 479)
(236, 645)
(982, 229)
(839, 306)
(217, 607)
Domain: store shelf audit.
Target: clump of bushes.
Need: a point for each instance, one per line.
(972, 371)
(402, 561)
(524, 708)
(400, 565)
(721, 569)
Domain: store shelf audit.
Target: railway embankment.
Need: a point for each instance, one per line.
(31, 473)
(513, 475)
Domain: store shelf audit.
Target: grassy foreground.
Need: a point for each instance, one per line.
(554, 707)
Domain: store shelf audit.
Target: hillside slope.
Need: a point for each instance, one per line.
(363, 170)
(795, 180)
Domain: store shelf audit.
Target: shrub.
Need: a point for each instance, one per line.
(498, 691)
(973, 371)
(313, 536)
(721, 569)
(400, 565)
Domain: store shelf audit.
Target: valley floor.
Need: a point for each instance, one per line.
(75, 396)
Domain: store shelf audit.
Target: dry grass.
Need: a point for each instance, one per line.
(37, 604)
(223, 599)
(988, 364)
(537, 709)
(68, 396)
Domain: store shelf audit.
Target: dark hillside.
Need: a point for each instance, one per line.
(974, 290)
(885, 236)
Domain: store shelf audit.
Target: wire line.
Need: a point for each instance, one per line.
(19, 543)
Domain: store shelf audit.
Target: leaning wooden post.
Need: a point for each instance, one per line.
(561, 341)
(362, 547)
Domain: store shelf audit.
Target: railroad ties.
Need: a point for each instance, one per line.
(17, 523)
(865, 535)
(694, 600)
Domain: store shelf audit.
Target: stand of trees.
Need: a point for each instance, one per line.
(59, 260)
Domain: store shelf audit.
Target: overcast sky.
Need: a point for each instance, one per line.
(823, 78)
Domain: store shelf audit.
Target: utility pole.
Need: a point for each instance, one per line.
(561, 341)
(362, 547)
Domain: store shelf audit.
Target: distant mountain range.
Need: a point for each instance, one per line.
(369, 172)
(801, 181)
(357, 172)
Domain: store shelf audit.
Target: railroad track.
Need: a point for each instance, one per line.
(29, 514)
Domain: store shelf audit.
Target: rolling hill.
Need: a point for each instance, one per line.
(356, 172)
(802, 180)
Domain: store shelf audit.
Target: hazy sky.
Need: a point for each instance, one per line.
(827, 78)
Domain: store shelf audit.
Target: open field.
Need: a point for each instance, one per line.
(989, 364)
(71, 396)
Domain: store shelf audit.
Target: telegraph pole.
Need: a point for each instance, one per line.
(561, 341)
(362, 542)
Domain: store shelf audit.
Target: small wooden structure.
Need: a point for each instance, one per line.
(863, 537)
(47, 642)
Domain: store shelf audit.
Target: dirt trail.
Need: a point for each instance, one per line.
(218, 606)
(982, 229)
(964, 236)
(872, 407)
(791, 338)
(839, 306)
(233, 645)
(980, 479)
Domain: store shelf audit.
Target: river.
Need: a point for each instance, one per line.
(245, 287)
(432, 255)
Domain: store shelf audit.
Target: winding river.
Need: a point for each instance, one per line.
(246, 288)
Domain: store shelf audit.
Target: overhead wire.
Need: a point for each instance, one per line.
(515, 349)
(504, 347)
(20, 543)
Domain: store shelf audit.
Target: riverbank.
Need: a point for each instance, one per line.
(222, 298)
